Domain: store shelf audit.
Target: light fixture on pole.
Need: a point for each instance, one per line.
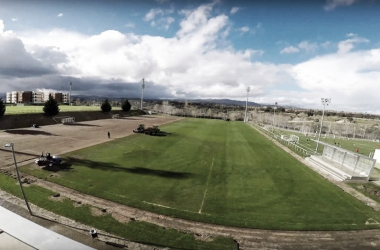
(70, 93)
(274, 114)
(142, 93)
(246, 105)
(10, 145)
(325, 101)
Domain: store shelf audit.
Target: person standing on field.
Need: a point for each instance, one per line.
(109, 135)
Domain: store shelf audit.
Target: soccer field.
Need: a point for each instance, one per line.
(213, 171)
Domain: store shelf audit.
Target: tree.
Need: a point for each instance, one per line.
(126, 106)
(106, 106)
(51, 107)
(2, 108)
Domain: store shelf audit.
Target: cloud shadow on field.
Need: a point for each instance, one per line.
(27, 132)
(70, 161)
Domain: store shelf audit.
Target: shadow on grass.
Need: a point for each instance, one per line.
(57, 168)
(162, 133)
(80, 124)
(70, 161)
(27, 132)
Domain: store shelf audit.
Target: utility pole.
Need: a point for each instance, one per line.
(274, 114)
(325, 101)
(70, 93)
(142, 93)
(18, 176)
(246, 105)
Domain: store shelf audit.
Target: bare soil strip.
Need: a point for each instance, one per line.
(208, 179)
(71, 138)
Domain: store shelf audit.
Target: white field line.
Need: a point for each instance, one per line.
(158, 205)
(208, 179)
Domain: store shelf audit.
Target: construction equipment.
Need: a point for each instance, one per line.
(48, 160)
(139, 129)
(154, 130)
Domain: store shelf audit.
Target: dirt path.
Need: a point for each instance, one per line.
(247, 238)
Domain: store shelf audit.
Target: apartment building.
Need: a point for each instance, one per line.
(38, 97)
(11, 97)
(35, 97)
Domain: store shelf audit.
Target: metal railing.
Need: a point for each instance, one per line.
(289, 144)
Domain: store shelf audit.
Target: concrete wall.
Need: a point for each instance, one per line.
(26, 120)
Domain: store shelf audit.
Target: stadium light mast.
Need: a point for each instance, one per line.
(246, 104)
(325, 101)
(274, 114)
(70, 94)
(10, 145)
(142, 93)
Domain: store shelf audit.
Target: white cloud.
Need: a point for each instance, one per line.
(308, 47)
(191, 64)
(326, 44)
(158, 17)
(168, 21)
(153, 13)
(244, 29)
(289, 50)
(163, 22)
(304, 45)
(332, 4)
(60, 15)
(347, 45)
(234, 10)
(350, 79)
(14, 19)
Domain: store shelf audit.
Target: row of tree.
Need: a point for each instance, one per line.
(51, 106)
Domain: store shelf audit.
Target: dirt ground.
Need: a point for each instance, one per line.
(59, 139)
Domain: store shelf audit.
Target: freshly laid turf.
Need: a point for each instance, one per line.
(134, 230)
(214, 171)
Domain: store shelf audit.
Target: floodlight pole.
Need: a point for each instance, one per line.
(70, 93)
(274, 114)
(246, 104)
(142, 93)
(18, 176)
(325, 101)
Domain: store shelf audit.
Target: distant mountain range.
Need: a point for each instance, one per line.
(214, 101)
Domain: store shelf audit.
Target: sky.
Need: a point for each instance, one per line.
(293, 52)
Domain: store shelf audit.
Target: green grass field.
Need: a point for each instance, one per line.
(213, 171)
(137, 231)
(365, 146)
(12, 110)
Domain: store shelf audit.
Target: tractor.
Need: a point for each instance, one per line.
(140, 129)
(48, 160)
(154, 130)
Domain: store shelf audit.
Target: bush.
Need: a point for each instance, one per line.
(126, 106)
(2, 107)
(106, 106)
(51, 107)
